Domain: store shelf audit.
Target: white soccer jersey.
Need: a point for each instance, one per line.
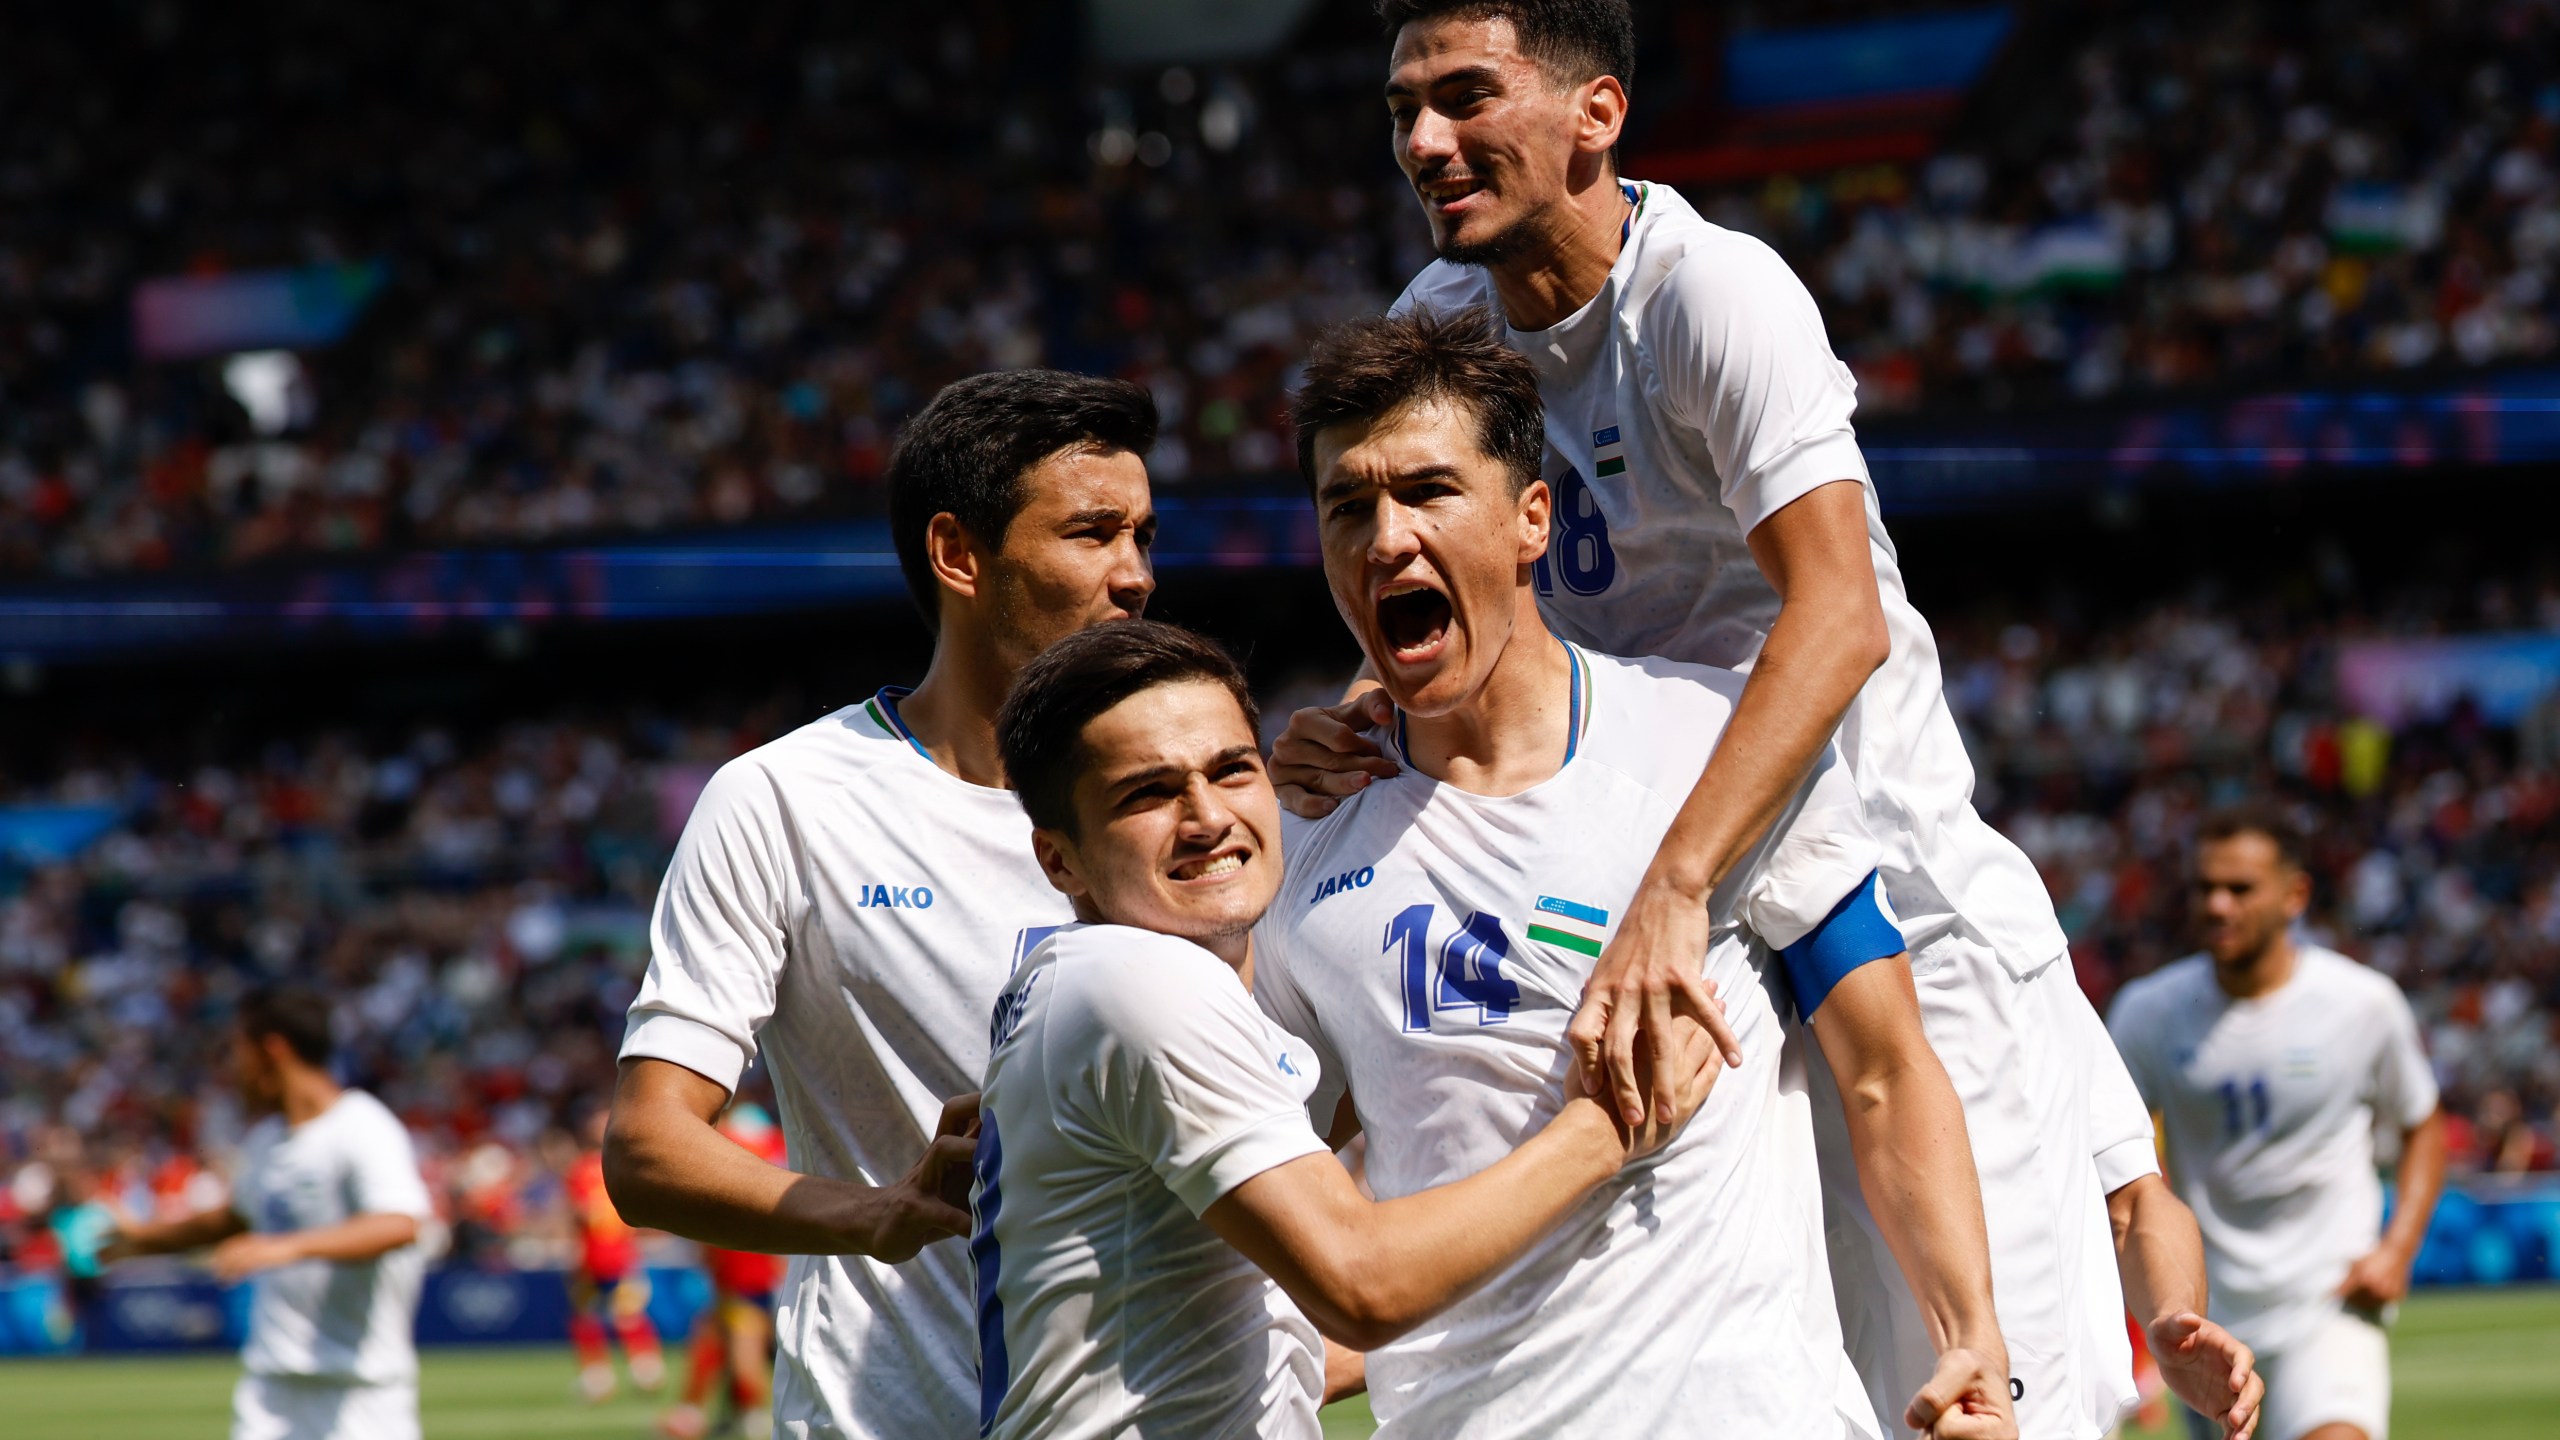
(1133, 1085)
(2272, 1105)
(1432, 945)
(1694, 396)
(852, 908)
(320, 1319)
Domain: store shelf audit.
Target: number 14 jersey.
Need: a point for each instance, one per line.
(1431, 945)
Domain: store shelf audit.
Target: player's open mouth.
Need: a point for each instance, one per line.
(1449, 193)
(1210, 867)
(1414, 619)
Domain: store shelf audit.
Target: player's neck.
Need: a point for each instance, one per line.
(1514, 731)
(306, 1095)
(952, 713)
(1554, 279)
(2260, 975)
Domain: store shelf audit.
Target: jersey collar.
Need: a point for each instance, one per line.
(1577, 717)
(884, 713)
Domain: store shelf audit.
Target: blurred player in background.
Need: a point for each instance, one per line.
(733, 1336)
(325, 1214)
(849, 899)
(1712, 506)
(2275, 1061)
(608, 1287)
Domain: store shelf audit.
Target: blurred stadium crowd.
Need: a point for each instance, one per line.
(639, 280)
(482, 904)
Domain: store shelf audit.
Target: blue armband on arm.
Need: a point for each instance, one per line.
(1857, 930)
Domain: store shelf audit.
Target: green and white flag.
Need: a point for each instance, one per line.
(1571, 924)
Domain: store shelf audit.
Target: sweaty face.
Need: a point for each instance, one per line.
(2245, 896)
(1076, 553)
(1178, 830)
(1426, 549)
(1485, 136)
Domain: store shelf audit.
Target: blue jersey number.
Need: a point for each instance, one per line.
(1580, 549)
(1468, 975)
(2244, 1107)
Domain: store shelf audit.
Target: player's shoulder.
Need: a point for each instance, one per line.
(2145, 998)
(2345, 978)
(1688, 263)
(1653, 709)
(1128, 981)
(850, 745)
(1442, 287)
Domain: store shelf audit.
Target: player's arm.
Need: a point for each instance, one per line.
(1368, 1271)
(668, 1168)
(2160, 1256)
(1828, 638)
(1346, 1372)
(2380, 1276)
(1915, 1166)
(352, 1241)
(171, 1237)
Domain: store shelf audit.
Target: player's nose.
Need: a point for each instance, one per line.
(1432, 139)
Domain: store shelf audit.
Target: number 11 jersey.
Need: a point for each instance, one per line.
(1431, 946)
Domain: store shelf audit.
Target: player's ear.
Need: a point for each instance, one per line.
(1056, 852)
(1536, 512)
(1600, 116)
(951, 554)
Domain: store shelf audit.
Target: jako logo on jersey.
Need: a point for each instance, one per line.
(1347, 880)
(895, 897)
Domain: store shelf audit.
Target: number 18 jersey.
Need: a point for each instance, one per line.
(1431, 945)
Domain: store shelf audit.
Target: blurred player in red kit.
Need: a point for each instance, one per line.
(735, 1331)
(608, 1283)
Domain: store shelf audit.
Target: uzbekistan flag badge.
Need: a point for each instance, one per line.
(1571, 924)
(1608, 453)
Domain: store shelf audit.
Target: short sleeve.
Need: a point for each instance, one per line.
(1738, 346)
(382, 1170)
(1818, 855)
(2405, 1088)
(716, 936)
(1275, 989)
(2120, 1135)
(1187, 1076)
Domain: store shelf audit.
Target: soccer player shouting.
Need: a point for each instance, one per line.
(2275, 1061)
(849, 899)
(1437, 927)
(1711, 506)
(1157, 1221)
(324, 1213)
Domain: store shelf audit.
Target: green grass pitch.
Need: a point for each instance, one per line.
(2479, 1365)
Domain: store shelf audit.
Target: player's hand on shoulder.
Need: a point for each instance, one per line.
(1324, 755)
(2209, 1369)
(1967, 1398)
(1650, 976)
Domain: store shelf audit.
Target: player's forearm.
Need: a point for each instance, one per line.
(2159, 1250)
(2420, 1182)
(1377, 1270)
(1915, 1167)
(170, 1237)
(670, 1170)
(1818, 656)
(353, 1241)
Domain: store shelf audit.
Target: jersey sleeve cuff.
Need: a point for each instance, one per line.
(1857, 931)
(1267, 1145)
(2126, 1161)
(686, 1042)
(1807, 465)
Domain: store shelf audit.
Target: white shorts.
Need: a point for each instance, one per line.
(2338, 1373)
(293, 1407)
(2023, 1077)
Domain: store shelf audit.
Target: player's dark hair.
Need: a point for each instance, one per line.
(1040, 730)
(2258, 817)
(1574, 41)
(1367, 369)
(297, 1015)
(965, 454)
